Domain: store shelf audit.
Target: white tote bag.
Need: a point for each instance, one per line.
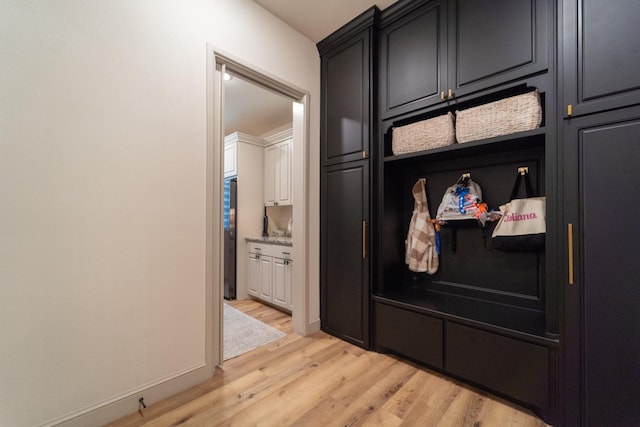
(523, 223)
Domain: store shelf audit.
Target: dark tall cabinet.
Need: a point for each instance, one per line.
(601, 147)
(345, 136)
(602, 296)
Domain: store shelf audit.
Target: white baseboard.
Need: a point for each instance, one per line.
(313, 327)
(126, 404)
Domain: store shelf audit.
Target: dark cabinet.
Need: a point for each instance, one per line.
(437, 51)
(409, 333)
(513, 367)
(344, 277)
(413, 60)
(602, 376)
(497, 41)
(601, 51)
(346, 129)
(345, 120)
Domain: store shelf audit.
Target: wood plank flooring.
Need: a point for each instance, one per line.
(323, 381)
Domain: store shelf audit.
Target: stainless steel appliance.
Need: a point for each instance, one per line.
(229, 217)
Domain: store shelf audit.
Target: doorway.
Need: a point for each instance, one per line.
(218, 65)
(253, 117)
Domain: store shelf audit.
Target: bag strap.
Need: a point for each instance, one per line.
(527, 185)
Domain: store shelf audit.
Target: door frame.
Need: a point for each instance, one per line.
(218, 63)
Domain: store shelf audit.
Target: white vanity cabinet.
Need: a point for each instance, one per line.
(269, 273)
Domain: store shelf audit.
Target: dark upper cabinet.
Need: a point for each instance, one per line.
(602, 380)
(436, 51)
(496, 41)
(413, 60)
(601, 51)
(344, 259)
(346, 76)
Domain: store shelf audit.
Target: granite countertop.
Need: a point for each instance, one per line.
(271, 240)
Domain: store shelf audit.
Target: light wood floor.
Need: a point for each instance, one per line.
(323, 381)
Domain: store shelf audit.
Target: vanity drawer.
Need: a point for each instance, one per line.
(275, 251)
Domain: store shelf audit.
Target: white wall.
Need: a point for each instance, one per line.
(102, 190)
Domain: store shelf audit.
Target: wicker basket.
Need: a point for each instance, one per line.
(503, 117)
(424, 135)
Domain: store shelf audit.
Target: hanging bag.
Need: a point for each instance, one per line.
(421, 255)
(462, 202)
(522, 226)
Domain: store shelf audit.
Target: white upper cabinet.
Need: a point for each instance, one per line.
(277, 167)
(230, 159)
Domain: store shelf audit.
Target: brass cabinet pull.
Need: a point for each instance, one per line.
(450, 94)
(569, 110)
(570, 251)
(364, 239)
(442, 95)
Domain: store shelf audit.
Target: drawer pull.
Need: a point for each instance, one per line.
(364, 239)
(570, 251)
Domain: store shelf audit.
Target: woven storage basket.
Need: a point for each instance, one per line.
(504, 117)
(431, 133)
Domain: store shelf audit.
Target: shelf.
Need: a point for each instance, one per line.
(509, 320)
(514, 141)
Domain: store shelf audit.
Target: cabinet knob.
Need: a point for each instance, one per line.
(442, 95)
(450, 94)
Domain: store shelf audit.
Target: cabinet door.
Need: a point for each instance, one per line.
(283, 173)
(345, 101)
(271, 157)
(279, 284)
(230, 160)
(265, 278)
(288, 284)
(413, 53)
(344, 277)
(493, 42)
(601, 54)
(602, 386)
(253, 275)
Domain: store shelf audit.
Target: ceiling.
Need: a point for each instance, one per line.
(255, 111)
(316, 19)
(252, 109)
